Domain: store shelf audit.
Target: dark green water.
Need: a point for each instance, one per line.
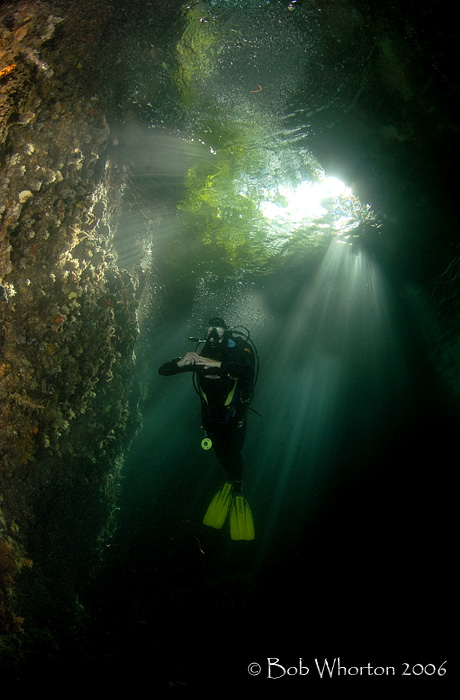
(222, 111)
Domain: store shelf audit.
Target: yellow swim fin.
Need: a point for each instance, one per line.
(219, 507)
(241, 521)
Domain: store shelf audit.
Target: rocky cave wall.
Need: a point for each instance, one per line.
(68, 324)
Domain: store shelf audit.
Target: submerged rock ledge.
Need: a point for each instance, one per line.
(68, 331)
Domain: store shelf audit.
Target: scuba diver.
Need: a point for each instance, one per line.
(224, 376)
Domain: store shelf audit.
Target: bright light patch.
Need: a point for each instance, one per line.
(307, 202)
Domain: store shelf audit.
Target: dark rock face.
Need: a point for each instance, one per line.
(68, 323)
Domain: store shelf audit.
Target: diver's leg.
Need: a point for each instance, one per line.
(227, 443)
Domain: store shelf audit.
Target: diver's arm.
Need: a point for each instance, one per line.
(242, 369)
(173, 367)
(180, 364)
(190, 359)
(207, 363)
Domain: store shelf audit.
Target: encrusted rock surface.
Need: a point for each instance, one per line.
(68, 326)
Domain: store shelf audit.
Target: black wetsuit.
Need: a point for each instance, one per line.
(225, 393)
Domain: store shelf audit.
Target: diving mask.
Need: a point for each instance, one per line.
(215, 331)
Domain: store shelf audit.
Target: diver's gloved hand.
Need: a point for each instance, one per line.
(207, 363)
(191, 358)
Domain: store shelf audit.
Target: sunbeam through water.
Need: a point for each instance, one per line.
(335, 374)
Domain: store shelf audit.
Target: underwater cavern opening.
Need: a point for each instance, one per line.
(287, 167)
